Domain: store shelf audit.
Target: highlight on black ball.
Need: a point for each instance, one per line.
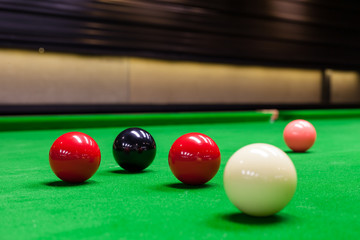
(134, 149)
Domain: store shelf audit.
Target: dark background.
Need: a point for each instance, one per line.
(304, 33)
(316, 34)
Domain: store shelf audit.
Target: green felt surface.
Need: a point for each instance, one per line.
(10, 123)
(34, 204)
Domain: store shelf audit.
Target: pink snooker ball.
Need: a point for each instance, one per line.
(299, 135)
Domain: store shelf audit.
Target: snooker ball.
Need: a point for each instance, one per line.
(299, 135)
(260, 179)
(194, 158)
(74, 157)
(134, 149)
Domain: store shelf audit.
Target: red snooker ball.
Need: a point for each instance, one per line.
(299, 135)
(194, 158)
(74, 157)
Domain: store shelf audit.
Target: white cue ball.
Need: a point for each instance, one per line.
(260, 179)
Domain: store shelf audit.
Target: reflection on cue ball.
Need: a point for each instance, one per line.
(260, 179)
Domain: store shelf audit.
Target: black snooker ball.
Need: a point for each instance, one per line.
(134, 149)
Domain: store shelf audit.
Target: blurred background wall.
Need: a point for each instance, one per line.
(241, 53)
(47, 78)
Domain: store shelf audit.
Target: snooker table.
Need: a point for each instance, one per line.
(153, 204)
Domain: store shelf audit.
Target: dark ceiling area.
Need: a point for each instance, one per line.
(302, 33)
